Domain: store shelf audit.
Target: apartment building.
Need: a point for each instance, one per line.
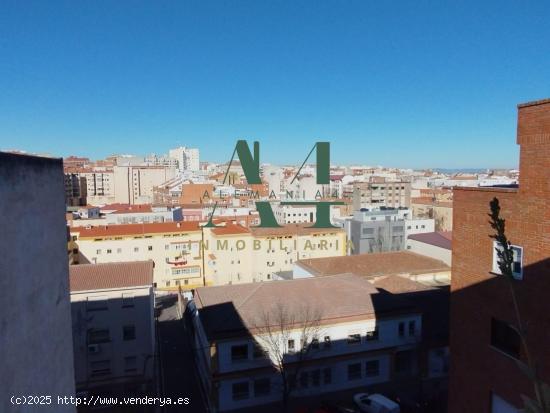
(384, 229)
(128, 214)
(100, 185)
(243, 255)
(440, 211)
(174, 247)
(188, 158)
(75, 190)
(135, 184)
(377, 192)
(35, 321)
(112, 308)
(485, 347)
(362, 337)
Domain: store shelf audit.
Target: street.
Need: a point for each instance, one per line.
(178, 374)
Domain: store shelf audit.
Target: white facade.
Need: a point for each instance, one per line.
(188, 158)
(432, 251)
(342, 361)
(114, 339)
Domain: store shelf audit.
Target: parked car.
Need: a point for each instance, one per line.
(375, 403)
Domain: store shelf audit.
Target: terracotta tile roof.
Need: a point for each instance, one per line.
(232, 310)
(292, 229)
(112, 275)
(438, 239)
(229, 229)
(374, 264)
(136, 229)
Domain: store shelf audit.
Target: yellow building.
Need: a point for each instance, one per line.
(174, 247)
(188, 255)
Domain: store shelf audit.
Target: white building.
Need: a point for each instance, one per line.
(135, 184)
(113, 327)
(188, 158)
(432, 244)
(35, 321)
(363, 337)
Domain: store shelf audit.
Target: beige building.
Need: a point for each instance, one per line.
(172, 246)
(135, 184)
(113, 327)
(239, 255)
(382, 193)
(188, 255)
(440, 211)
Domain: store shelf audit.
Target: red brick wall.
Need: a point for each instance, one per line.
(477, 295)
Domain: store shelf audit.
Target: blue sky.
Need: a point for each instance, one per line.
(410, 84)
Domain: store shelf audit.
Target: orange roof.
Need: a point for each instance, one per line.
(230, 229)
(112, 275)
(136, 229)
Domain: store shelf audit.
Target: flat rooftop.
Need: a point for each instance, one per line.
(374, 264)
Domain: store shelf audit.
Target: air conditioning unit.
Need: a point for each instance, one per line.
(94, 348)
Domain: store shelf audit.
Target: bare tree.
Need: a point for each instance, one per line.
(505, 254)
(288, 337)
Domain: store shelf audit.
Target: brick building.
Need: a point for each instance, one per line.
(484, 375)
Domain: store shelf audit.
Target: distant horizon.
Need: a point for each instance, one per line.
(373, 165)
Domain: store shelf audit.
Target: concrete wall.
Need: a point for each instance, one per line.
(429, 250)
(35, 320)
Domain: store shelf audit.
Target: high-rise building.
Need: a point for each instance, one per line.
(188, 158)
(486, 349)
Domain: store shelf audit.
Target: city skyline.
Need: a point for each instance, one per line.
(416, 89)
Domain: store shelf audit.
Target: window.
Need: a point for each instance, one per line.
(291, 346)
(136, 249)
(327, 375)
(167, 283)
(316, 378)
(372, 368)
(326, 343)
(129, 332)
(372, 335)
(315, 344)
(150, 248)
(240, 390)
(517, 265)
(127, 300)
(505, 338)
(109, 251)
(119, 250)
(98, 335)
(100, 368)
(177, 282)
(304, 379)
(130, 363)
(412, 328)
(98, 252)
(239, 352)
(262, 387)
(368, 231)
(354, 371)
(401, 329)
